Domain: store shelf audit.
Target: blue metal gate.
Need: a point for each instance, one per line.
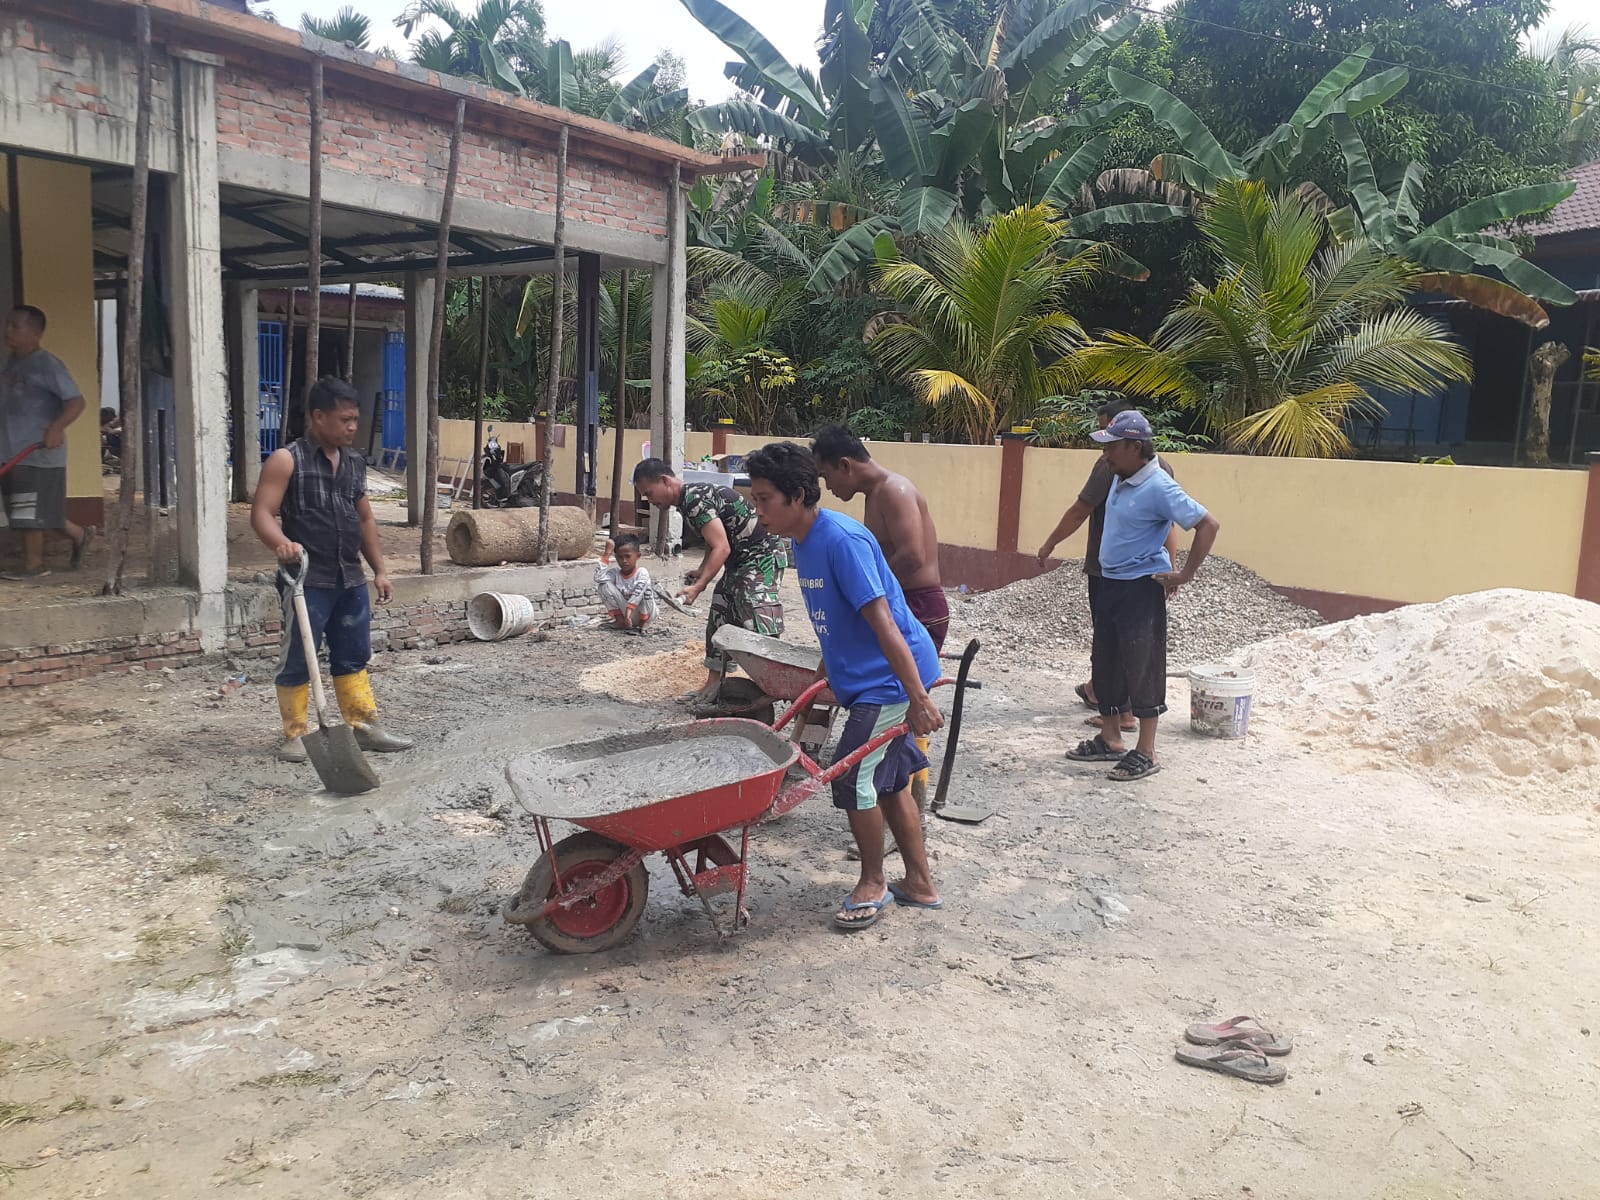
(269, 343)
(394, 400)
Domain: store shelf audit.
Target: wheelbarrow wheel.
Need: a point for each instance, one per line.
(598, 923)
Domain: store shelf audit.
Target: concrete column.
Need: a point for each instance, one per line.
(244, 386)
(668, 313)
(199, 356)
(419, 323)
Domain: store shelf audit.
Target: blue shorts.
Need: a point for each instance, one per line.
(886, 770)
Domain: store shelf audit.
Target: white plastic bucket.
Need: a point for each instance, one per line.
(1219, 701)
(496, 616)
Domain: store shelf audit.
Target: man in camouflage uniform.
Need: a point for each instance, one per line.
(751, 561)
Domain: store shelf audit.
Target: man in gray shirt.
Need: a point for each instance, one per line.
(38, 400)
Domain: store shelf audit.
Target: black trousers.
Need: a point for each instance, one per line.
(1130, 646)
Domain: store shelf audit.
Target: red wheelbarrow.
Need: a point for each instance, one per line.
(587, 891)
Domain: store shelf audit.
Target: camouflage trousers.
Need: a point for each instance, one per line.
(747, 596)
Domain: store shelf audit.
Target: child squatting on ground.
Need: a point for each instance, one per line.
(625, 586)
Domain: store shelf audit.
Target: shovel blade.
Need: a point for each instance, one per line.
(964, 814)
(339, 762)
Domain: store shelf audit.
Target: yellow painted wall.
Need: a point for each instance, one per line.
(1395, 531)
(58, 276)
(1051, 481)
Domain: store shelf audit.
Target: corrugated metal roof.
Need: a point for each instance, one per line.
(1579, 212)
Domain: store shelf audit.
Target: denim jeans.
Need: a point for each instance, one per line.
(340, 616)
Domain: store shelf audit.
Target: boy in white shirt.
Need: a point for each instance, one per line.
(625, 587)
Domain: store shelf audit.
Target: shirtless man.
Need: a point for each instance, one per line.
(897, 515)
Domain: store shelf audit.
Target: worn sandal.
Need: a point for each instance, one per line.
(1094, 750)
(1082, 692)
(1244, 1060)
(1239, 1029)
(1135, 764)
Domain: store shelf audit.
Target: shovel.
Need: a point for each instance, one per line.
(963, 813)
(331, 747)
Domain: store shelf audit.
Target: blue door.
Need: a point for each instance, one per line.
(394, 399)
(269, 343)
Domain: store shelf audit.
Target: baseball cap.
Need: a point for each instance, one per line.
(1128, 426)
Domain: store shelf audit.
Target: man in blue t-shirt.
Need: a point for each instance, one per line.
(1130, 620)
(880, 663)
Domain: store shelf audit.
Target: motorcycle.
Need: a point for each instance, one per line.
(507, 486)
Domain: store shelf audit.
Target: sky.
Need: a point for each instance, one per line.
(645, 27)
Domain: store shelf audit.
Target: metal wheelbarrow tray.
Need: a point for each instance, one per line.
(587, 891)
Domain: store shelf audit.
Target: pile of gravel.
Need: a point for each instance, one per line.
(1045, 621)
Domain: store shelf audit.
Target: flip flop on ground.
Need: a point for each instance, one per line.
(1135, 764)
(872, 908)
(906, 900)
(1096, 750)
(1244, 1060)
(1239, 1029)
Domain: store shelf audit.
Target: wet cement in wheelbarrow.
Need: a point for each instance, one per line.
(595, 787)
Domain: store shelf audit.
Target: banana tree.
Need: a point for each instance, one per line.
(1464, 253)
(1281, 158)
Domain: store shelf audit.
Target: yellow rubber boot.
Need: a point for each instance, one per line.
(919, 781)
(359, 708)
(292, 708)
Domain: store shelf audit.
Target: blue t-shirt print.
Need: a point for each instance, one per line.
(842, 570)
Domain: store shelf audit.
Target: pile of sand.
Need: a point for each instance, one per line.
(1498, 691)
(649, 677)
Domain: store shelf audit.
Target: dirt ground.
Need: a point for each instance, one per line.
(218, 977)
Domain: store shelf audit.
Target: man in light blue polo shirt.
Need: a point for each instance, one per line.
(1130, 633)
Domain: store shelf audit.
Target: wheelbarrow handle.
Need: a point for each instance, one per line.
(816, 780)
(10, 464)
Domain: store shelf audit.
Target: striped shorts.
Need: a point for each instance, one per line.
(886, 770)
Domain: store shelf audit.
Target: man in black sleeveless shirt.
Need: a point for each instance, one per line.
(313, 497)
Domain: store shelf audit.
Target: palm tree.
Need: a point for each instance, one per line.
(1299, 332)
(984, 337)
(347, 26)
(501, 43)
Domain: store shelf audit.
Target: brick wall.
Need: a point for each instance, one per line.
(34, 665)
(257, 628)
(266, 115)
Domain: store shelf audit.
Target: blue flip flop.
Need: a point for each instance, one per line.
(877, 907)
(902, 899)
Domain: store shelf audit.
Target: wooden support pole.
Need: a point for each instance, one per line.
(619, 405)
(314, 237)
(350, 338)
(287, 390)
(131, 367)
(557, 332)
(483, 386)
(441, 285)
